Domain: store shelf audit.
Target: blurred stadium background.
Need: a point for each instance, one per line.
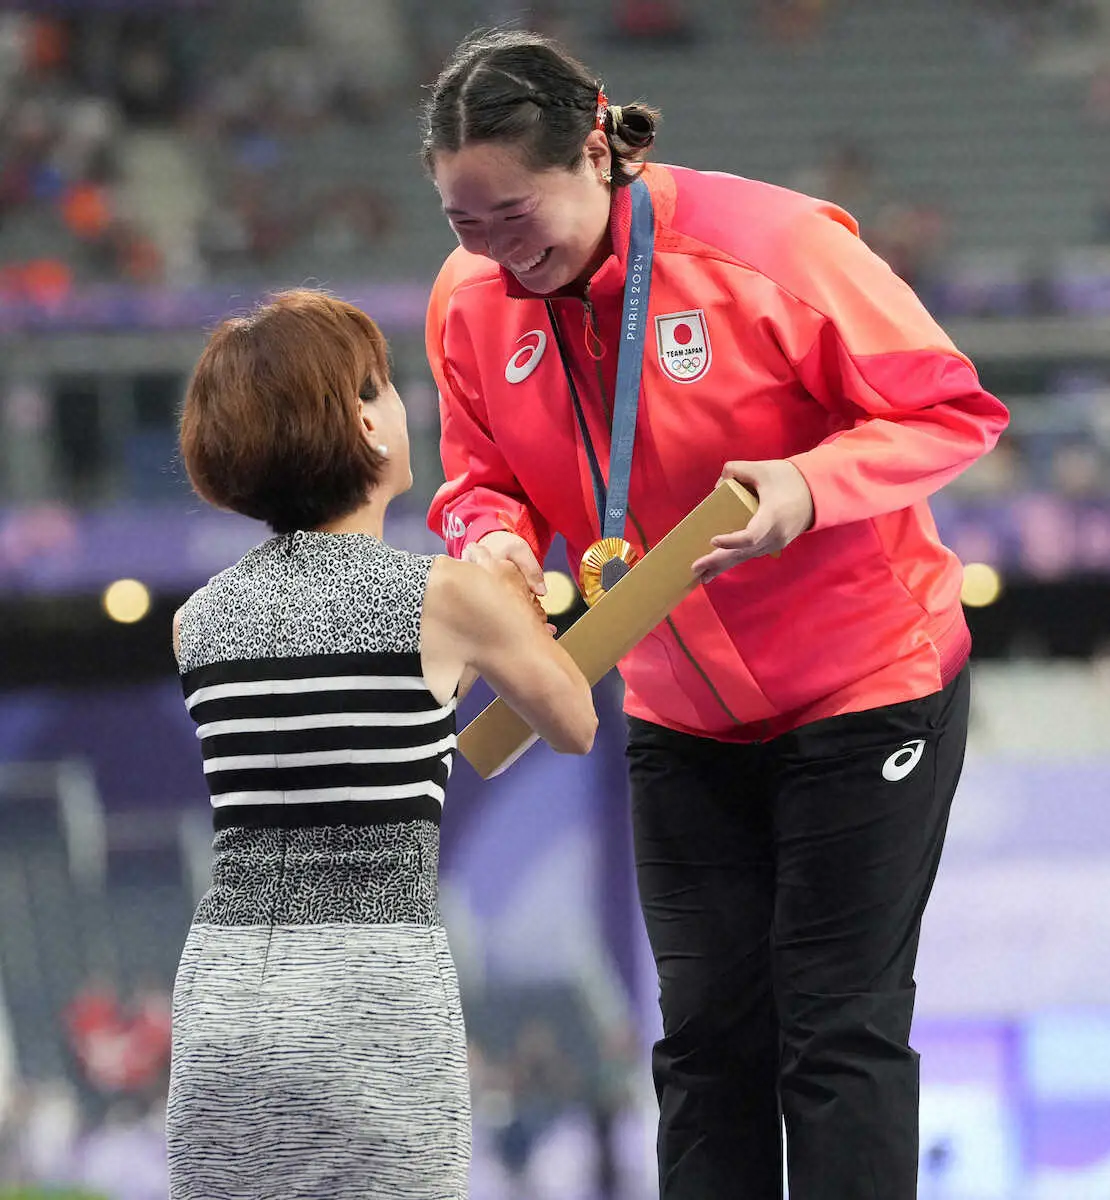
(162, 162)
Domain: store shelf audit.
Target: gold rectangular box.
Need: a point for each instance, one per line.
(624, 615)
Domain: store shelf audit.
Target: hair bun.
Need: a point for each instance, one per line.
(635, 127)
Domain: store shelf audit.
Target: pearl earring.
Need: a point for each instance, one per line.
(382, 449)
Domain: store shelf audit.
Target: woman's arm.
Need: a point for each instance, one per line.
(486, 620)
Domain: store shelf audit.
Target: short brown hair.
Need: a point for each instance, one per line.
(271, 422)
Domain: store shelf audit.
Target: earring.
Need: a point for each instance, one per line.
(382, 449)
(606, 175)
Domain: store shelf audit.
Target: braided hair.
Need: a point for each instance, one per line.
(519, 87)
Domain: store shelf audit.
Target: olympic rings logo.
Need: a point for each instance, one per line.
(685, 366)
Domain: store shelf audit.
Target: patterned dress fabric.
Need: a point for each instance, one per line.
(319, 1048)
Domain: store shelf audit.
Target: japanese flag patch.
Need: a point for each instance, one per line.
(683, 341)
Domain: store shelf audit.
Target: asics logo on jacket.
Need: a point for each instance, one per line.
(527, 358)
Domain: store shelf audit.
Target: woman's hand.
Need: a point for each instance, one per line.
(785, 510)
(503, 546)
(511, 560)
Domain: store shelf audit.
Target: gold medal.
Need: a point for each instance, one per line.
(604, 563)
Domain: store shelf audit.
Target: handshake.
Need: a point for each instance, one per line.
(621, 617)
(508, 557)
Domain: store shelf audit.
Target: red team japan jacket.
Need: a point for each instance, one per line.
(773, 332)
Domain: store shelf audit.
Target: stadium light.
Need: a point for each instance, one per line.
(982, 585)
(561, 596)
(126, 601)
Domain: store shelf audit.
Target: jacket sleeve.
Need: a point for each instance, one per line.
(906, 410)
(480, 493)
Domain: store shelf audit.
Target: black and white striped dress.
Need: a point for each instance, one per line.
(319, 1048)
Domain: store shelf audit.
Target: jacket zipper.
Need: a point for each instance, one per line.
(589, 318)
(593, 336)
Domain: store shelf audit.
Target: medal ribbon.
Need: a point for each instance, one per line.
(612, 502)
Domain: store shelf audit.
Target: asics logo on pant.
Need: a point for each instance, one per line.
(903, 761)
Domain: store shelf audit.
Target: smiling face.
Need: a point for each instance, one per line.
(548, 228)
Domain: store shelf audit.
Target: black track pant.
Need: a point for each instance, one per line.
(783, 885)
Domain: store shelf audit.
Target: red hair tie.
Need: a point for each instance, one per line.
(602, 108)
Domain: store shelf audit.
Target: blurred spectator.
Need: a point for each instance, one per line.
(37, 1134)
(72, 91)
(348, 219)
(1098, 94)
(614, 1098)
(59, 168)
(47, 45)
(94, 1029)
(43, 281)
(148, 79)
(86, 209)
(1079, 470)
(910, 234)
(664, 21)
(1005, 26)
(366, 44)
(847, 175)
(130, 254)
(551, 1120)
(43, 1150)
(124, 1157)
(27, 175)
(1003, 472)
(794, 21)
(1026, 28)
(541, 1084)
(1100, 224)
(121, 1051)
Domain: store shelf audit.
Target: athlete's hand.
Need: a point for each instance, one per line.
(507, 567)
(503, 546)
(785, 511)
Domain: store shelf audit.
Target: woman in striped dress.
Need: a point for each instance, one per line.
(319, 1048)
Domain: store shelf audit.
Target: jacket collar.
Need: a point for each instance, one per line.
(610, 274)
